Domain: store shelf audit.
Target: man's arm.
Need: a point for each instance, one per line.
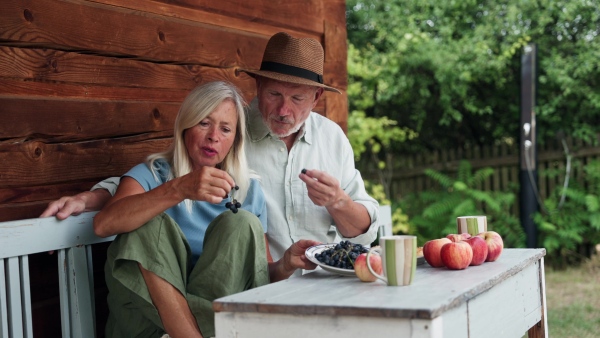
(85, 201)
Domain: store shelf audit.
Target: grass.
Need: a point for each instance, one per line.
(573, 298)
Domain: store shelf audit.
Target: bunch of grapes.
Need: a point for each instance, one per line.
(234, 205)
(342, 255)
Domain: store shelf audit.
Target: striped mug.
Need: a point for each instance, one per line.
(399, 258)
(473, 225)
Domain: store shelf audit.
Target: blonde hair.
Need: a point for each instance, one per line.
(198, 105)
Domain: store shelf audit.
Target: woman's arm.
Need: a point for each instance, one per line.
(132, 206)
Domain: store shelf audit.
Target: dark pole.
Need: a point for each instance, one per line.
(528, 159)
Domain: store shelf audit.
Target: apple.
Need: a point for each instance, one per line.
(458, 237)
(480, 249)
(457, 255)
(431, 251)
(495, 244)
(362, 270)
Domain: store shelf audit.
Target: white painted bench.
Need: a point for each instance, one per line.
(71, 240)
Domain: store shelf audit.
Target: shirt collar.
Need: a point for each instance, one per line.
(258, 130)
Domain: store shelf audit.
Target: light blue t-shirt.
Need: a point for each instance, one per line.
(194, 223)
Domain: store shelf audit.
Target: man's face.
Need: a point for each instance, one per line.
(285, 106)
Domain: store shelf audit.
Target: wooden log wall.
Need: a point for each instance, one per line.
(89, 88)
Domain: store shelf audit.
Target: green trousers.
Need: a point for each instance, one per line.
(233, 260)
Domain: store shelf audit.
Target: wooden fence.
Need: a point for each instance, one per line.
(406, 174)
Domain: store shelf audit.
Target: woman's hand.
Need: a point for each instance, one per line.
(205, 184)
(294, 258)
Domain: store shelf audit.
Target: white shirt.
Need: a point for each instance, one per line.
(291, 214)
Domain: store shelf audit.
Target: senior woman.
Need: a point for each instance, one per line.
(179, 246)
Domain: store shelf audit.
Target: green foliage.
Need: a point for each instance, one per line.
(374, 134)
(399, 219)
(432, 214)
(564, 227)
(450, 70)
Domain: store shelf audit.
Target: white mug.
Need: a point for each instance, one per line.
(399, 259)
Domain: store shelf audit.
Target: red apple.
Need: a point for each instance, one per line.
(361, 269)
(495, 244)
(480, 249)
(431, 251)
(457, 255)
(458, 237)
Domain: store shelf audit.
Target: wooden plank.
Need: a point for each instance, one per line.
(62, 120)
(540, 330)
(133, 33)
(55, 65)
(26, 296)
(44, 90)
(250, 325)
(336, 108)
(36, 163)
(255, 16)
(522, 291)
(3, 301)
(44, 192)
(63, 282)
(13, 291)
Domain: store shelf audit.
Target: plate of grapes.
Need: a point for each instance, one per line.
(336, 257)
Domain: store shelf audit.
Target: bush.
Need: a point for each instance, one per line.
(432, 214)
(570, 225)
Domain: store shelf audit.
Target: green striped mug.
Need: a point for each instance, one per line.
(399, 258)
(473, 225)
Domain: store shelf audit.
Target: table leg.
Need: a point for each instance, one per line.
(540, 329)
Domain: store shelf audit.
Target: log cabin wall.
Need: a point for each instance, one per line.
(89, 88)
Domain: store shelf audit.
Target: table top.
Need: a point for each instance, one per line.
(432, 292)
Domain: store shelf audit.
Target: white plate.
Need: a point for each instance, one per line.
(313, 250)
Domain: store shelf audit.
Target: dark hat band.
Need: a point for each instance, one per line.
(291, 70)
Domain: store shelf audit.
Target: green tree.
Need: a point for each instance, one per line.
(450, 70)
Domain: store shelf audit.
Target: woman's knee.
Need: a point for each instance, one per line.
(235, 222)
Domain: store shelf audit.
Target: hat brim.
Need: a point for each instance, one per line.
(288, 78)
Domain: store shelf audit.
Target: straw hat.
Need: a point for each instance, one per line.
(293, 60)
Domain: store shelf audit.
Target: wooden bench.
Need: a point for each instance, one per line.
(71, 239)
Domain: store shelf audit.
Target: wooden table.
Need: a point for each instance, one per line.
(506, 298)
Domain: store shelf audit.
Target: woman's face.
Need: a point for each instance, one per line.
(209, 141)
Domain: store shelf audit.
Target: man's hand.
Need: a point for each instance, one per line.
(74, 205)
(351, 218)
(65, 207)
(323, 189)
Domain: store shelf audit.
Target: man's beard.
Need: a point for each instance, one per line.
(291, 131)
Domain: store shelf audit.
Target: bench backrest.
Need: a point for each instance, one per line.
(71, 239)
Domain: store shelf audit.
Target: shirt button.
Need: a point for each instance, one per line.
(281, 150)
